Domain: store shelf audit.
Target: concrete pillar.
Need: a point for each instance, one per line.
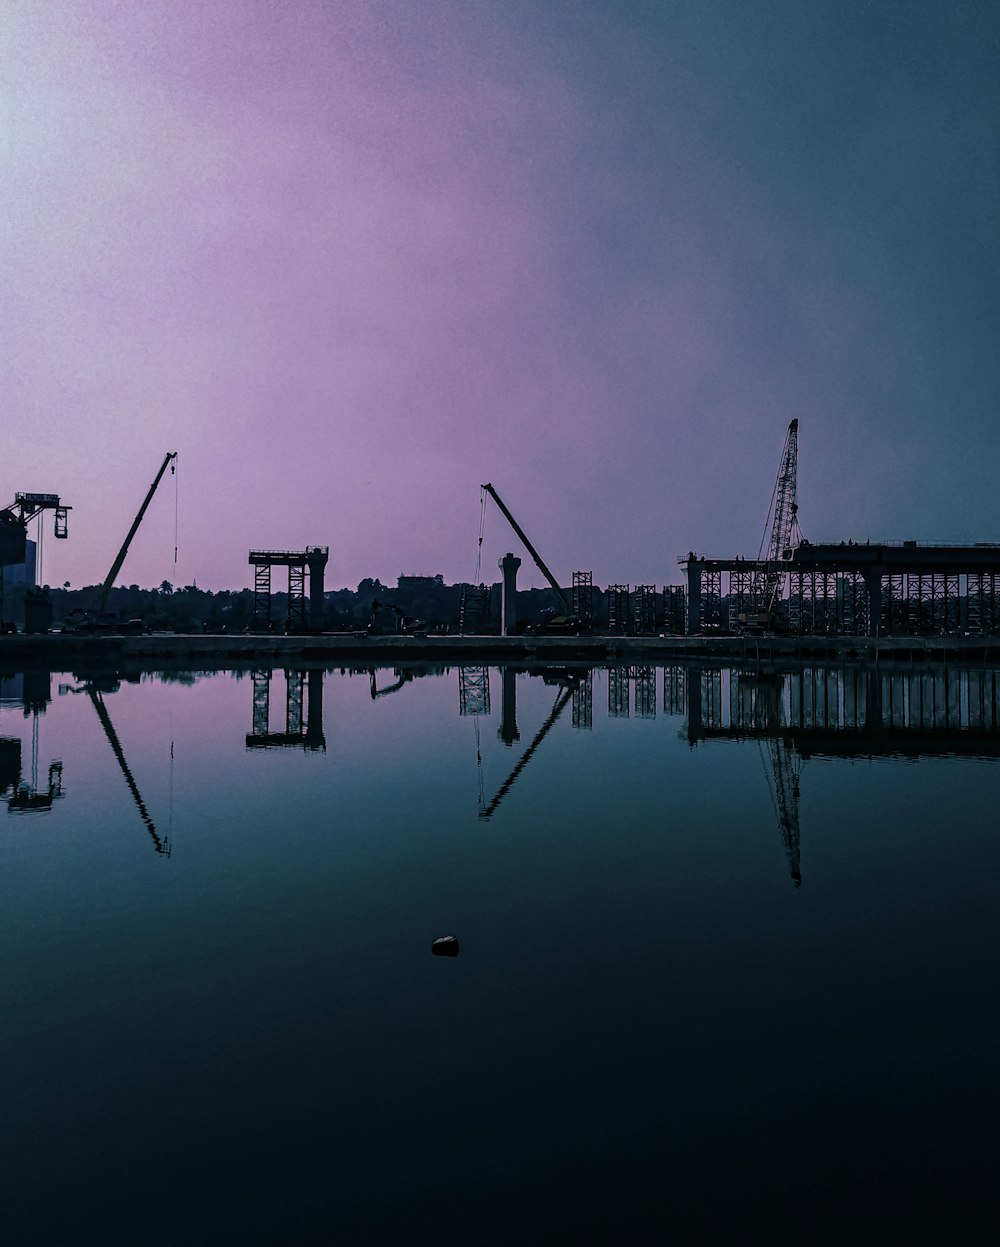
(694, 596)
(508, 732)
(508, 602)
(316, 558)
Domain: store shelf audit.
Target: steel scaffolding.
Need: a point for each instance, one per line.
(618, 616)
(711, 601)
(474, 615)
(644, 679)
(583, 702)
(618, 692)
(296, 598)
(261, 598)
(583, 596)
(674, 701)
(644, 610)
(473, 690)
(674, 610)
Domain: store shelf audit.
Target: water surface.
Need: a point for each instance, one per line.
(727, 955)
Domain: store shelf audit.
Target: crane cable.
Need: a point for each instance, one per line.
(173, 472)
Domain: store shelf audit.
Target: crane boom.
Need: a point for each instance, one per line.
(560, 596)
(116, 566)
(768, 582)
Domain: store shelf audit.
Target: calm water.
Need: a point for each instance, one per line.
(728, 956)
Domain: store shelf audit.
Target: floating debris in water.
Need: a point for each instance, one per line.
(446, 946)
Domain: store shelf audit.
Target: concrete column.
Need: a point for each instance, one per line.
(508, 732)
(508, 603)
(316, 558)
(694, 597)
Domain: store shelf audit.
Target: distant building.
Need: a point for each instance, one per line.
(419, 582)
(22, 573)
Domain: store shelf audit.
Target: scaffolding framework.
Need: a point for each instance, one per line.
(583, 702)
(644, 610)
(711, 601)
(473, 690)
(674, 610)
(617, 692)
(296, 597)
(644, 679)
(583, 596)
(261, 598)
(674, 686)
(474, 613)
(618, 612)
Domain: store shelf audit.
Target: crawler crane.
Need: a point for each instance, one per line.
(565, 623)
(769, 578)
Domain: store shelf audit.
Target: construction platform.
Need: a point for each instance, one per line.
(58, 651)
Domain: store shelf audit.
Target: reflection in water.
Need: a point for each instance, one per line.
(160, 844)
(792, 715)
(629, 938)
(300, 733)
(563, 698)
(33, 689)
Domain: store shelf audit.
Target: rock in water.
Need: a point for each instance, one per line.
(446, 946)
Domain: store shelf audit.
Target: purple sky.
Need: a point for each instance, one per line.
(352, 258)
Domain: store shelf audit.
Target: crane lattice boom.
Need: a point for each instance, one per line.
(769, 582)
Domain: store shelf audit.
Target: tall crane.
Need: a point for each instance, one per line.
(769, 577)
(560, 596)
(117, 564)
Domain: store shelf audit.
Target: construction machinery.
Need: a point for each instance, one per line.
(404, 623)
(564, 622)
(97, 620)
(94, 691)
(769, 576)
(14, 521)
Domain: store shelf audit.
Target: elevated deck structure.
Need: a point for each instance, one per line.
(849, 588)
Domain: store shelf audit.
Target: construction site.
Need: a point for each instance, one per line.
(794, 595)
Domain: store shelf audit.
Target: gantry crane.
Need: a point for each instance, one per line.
(567, 622)
(769, 576)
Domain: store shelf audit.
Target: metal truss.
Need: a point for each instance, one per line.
(617, 692)
(644, 610)
(618, 616)
(740, 597)
(583, 702)
(583, 596)
(674, 685)
(711, 601)
(261, 702)
(296, 598)
(474, 615)
(294, 687)
(262, 597)
(644, 679)
(473, 690)
(674, 610)
(895, 604)
(983, 593)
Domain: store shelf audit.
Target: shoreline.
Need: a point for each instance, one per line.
(215, 650)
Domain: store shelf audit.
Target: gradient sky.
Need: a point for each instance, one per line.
(350, 258)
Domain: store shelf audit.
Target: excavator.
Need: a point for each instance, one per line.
(563, 622)
(98, 620)
(404, 623)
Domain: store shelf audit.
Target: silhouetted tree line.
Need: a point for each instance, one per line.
(190, 609)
